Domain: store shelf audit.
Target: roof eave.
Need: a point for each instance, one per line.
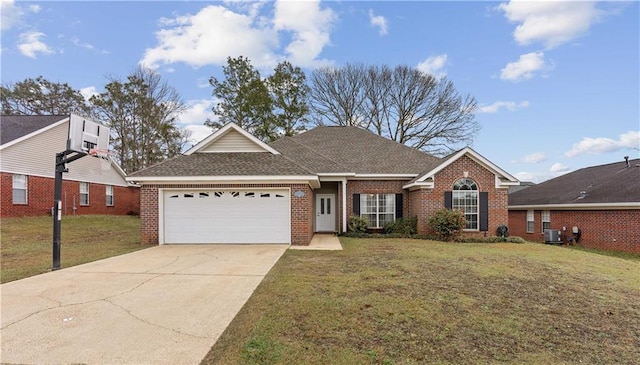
(577, 206)
(312, 180)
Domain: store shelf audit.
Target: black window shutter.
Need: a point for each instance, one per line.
(484, 211)
(448, 200)
(398, 206)
(356, 204)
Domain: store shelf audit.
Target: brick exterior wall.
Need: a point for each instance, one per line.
(40, 198)
(376, 187)
(423, 203)
(614, 230)
(301, 209)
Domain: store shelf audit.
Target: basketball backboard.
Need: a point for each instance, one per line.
(86, 134)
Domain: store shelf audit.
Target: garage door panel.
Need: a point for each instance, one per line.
(227, 216)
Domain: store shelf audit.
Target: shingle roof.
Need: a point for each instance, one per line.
(225, 164)
(610, 183)
(358, 150)
(13, 127)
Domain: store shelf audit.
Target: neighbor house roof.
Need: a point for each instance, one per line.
(13, 127)
(612, 184)
(355, 149)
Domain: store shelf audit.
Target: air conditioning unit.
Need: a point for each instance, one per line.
(552, 236)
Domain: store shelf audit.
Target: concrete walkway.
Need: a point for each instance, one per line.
(161, 305)
(321, 241)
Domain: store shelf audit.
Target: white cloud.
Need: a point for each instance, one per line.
(551, 23)
(10, 14)
(559, 168)
(434, 65)
(630, 140)
(536, 157)
(509, 105)
(34, 8)
(88, 92)
(378, 21)
(524, 68)
(217, 32)
(30, 44)
(310, 28)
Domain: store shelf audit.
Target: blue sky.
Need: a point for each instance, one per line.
(557, 82)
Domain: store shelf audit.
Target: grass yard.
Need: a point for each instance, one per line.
(394, 301)
(27, 242)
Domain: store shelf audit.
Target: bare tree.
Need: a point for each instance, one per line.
(338, 95)
(402, 104)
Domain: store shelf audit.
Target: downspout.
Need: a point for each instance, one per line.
(344, 205)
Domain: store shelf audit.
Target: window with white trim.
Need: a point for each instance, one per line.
(546, 220)
(379, 209)
(20, 183)
(109, 195)
(530, 225)
(84, 193)
(465, 198)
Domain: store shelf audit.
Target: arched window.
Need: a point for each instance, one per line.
(465, 198)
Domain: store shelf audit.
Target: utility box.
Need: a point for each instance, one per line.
(552, 236)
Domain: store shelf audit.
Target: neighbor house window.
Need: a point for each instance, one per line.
(19, 189)
(530, 221)
(465, 198)
(84, 193)
(109, 195)
(546, 220)
(378, 208)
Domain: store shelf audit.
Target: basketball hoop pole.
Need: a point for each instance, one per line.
(61, 162)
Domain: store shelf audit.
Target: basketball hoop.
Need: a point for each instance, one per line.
(104, 156)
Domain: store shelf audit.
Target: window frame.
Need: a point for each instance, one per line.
(25, 188)
(545, 219)
(84, 184)
(530, 219)
(389, 206)
(465, 196)
(109, 198)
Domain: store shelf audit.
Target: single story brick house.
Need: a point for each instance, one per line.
(28, 147)
(602, 202)
(233, 188)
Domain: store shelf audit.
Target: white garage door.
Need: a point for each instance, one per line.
(226, 216)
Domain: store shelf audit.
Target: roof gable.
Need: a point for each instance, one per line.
(503, 179)
(613, 183)
(16, 128)
(231, 139)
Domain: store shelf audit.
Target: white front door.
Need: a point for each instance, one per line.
(325, 213)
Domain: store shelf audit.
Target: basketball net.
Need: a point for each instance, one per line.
(104, 156)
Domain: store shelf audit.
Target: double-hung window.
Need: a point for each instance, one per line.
(109, 195)
(84, 193)
(379, 209)
(546, 220)
(530, 225)
(20, 184)
(465, 198)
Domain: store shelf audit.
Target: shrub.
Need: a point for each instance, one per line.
(358, 224)
(447, 223)
(402, 226)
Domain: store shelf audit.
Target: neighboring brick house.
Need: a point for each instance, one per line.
(233, 188)
(28, 147)
(603, 202)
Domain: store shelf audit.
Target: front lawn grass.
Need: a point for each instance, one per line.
(26, 248)
(395, 301)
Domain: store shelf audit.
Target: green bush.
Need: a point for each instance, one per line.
(447, 223)
(402, 226)
(358, 224)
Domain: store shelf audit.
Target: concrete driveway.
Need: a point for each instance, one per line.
(161, 305)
